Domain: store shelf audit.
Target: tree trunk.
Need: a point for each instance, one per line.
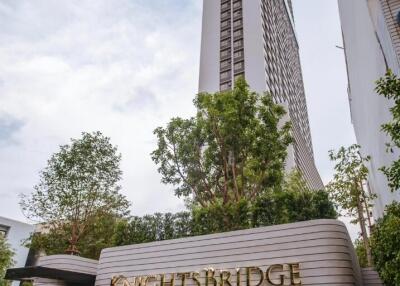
(72, 249)
(360, 210)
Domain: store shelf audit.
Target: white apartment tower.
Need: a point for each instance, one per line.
(257, 39)
(371, 37)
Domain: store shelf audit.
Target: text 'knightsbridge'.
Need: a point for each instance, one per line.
(277, 274)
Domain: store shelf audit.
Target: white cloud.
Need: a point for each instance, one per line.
(85, 66)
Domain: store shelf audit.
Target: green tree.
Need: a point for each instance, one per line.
(6, 260)
(389, 87)
(232, 150)
(361, 253)
(153, 228)
(98, 235)
(385, 242)
(347, 188)
(294, 202)
(78, 187)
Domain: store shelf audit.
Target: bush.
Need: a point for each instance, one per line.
(385, 244)
(361, 252)
(275, 207)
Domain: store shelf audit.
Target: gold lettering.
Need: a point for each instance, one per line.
(269, 272)
(141, 281)
(249, 271)
(170, 283)
(183, 277)
(195, 277)
(116, 279)
(237, 276)
(208, 276)
(225, 278)
(295, 273)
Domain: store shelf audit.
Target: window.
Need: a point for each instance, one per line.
(238, 33)
(225, 5)
(224, 24)
(225, 14)
(237, 4)
(237, 13)
(225, 75)
(237, 23)
(225, 53)
(238, 44)
(239, 66)
(225, 43)
(225, 86)
(238, 54)
(225, 33)
(225, 64)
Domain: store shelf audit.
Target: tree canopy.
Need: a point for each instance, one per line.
(79, 185)
(385, 242)
(389, 87)
(233, 149)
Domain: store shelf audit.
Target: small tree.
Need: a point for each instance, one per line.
(233, 150)
(361, 252)
(385, 242)
(347, 189)
(78, 186)
(6, 260)
(389, 87)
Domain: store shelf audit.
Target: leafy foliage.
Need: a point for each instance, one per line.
(389, 87)
(385, 242)
(273, 207)
(6, 260)
(347, 189)
(361, 253)
(233, 149)
(78, 186)
(98, 235)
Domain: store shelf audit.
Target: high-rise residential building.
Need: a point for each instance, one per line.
(371, 37)
(257, 39)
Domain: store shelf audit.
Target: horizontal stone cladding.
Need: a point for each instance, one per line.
(322, 248)
(391, 9)
(371, 277)
(285, 81)
(67, 263)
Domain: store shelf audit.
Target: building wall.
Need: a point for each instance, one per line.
(210, 38)
(322, 248)
(368, 53)
(65, 262)
(18, 232)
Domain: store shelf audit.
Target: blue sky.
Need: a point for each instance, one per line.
(73, 66)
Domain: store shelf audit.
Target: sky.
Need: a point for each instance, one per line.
(86, 65)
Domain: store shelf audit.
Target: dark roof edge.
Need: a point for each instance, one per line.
(69, 277)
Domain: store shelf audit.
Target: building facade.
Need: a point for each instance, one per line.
(16, 233)
(256, 39)
(371, 37)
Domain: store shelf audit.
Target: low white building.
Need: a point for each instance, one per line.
(16, 233)
(371, 37)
